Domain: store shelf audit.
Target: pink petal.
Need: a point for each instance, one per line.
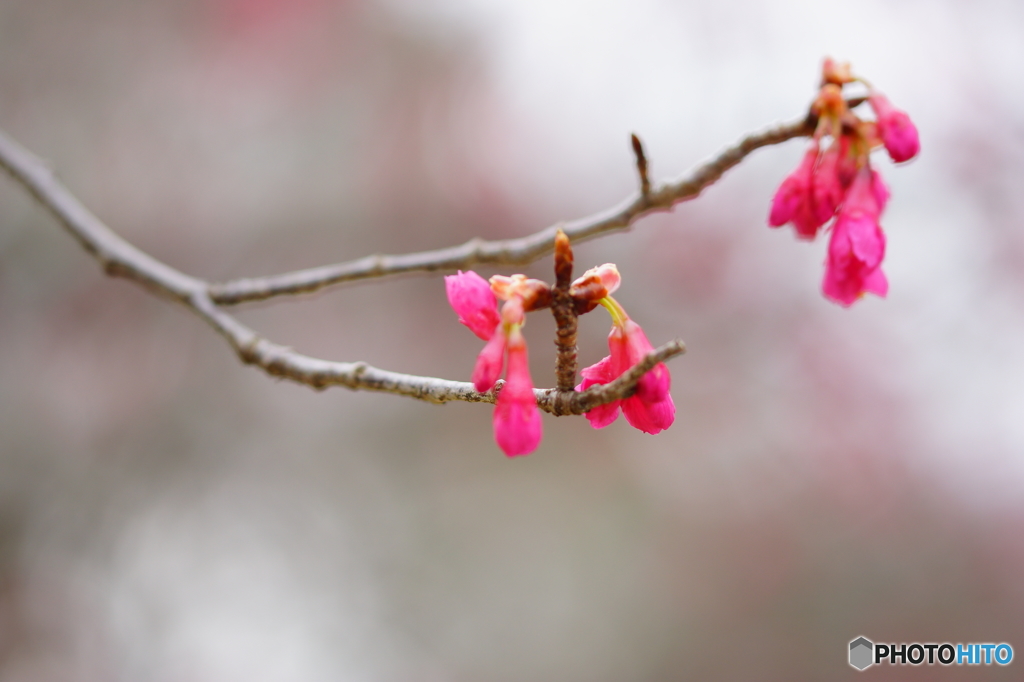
(899, 134)
(600, 373)
(489, 363)
(792, 193)
(880, 190)
(655, 384)
(786, 202)
(603, 415)
(649, 417)
(876, 283)
(857, 246)
(867, 241)
(827, 189)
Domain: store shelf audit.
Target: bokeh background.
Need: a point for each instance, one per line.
(168, 515)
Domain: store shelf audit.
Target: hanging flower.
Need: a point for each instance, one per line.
(650, 409)
(857, 246)
(840, 182)
(517, 421)
(898, 132)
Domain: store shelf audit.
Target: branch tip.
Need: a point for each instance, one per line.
(641, 165)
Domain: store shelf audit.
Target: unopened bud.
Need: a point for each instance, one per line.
(563, 259)
(596, 283)
(533, 294)
(835, 72)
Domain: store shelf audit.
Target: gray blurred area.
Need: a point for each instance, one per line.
(169, 515)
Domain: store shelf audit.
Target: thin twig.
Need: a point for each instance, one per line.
(641, 165)
(511, 251)
(120, 259)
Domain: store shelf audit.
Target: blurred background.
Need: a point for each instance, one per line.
(168, 515)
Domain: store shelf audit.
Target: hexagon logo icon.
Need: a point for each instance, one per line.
(861, 653)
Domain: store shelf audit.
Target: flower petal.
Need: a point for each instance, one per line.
(489, 363)
(649, 417)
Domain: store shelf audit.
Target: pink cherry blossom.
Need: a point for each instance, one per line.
(857, 246)
(471, 297)
(898, 132)
(602, 372)
(650, 409)
(517, 422)
(791, 204)
(809, 196)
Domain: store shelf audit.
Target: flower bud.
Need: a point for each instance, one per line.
(472, 299)
(596, 283)
(898, 132)
(837, 73)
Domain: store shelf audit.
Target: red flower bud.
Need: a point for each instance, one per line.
(899, 135)
(472, 299)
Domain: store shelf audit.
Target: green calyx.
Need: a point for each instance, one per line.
(619, 316)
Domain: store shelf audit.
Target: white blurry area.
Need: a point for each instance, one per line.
(167, 514)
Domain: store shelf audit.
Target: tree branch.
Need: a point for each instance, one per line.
(511, 251)
(120, 259)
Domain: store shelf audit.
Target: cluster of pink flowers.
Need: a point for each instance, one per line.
(838, 181)
(517, 420)
(834, 180)
(517, 423)
(650, 409)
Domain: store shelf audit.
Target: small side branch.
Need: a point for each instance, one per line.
(511, 251)
(564, 402)
(563, 307)
(641, 165)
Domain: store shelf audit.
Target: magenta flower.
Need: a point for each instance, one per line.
(831, 179)
(489, 362)
(471, 297)
(517, 422)
(650, 409)
(857, 246)
(809, 196)
(491, 359)
(898, 133)
(791, 202)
